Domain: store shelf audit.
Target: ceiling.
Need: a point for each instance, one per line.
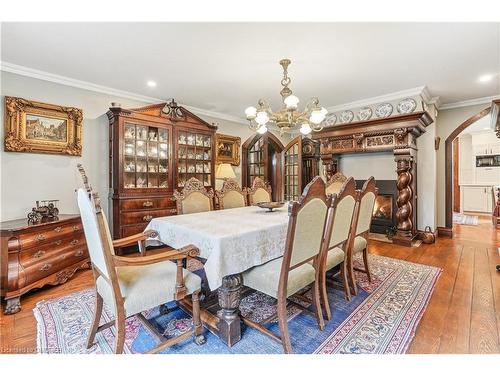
(225, 67)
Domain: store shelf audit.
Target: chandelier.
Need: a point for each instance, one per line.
(287, 117)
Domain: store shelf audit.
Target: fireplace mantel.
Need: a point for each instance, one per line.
(395, 134)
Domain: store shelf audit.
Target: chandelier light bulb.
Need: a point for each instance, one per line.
(317, 117)
(291, 102)
(251, 112)
(305, 128)
(262, 129)
(262, 118)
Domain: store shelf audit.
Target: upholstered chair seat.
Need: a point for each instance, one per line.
(335, 257)
(359, 245)
(144, 287)
(265, 278)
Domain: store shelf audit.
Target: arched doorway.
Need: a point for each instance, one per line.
(449, 165)
(262, 157)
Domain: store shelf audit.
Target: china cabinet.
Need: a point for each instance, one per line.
(153, 151)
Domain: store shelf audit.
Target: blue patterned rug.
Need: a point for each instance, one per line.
(382, 318)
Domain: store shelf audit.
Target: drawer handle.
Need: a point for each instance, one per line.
(172, 211)
(75, 228)
(45, 267)
(74, 242)
(58, 242)
(39, 254)
(147, 218)
(79, 253)
(58, 229)
(40, 237)
(147, 204)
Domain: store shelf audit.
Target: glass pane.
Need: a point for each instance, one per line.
(162, 135)
(129, 131)
(129, 148)
(190, 139)
(163, 153)
(142, 132)
(141, 180)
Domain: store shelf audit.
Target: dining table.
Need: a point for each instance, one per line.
(230, 241)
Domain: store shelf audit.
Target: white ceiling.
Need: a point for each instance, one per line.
(225, 67)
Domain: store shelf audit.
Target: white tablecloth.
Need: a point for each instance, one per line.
(232, 240)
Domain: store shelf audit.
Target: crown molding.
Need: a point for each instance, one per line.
(67, 81)
(421, 90)
(470, 102)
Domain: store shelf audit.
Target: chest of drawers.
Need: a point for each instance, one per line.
(34, 255)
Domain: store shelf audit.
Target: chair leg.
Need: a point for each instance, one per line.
(317, 305)
(120, 333)
(324, 295)
(345, 281)
(199, 338)
(283, 324)
(95, 321)
(367, 266)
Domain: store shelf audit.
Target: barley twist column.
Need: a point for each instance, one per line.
(404, 233)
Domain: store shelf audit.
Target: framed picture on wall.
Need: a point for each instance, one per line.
(42, 128)
(227, 149)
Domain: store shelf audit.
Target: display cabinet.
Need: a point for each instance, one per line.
(154, 150)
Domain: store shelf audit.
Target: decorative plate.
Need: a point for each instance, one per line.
(384, 110)
(346, 117)
(331, 119)
(270, 205)
(407, 105)
(364, 114)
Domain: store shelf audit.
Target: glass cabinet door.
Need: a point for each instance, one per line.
(194, 157)
(256, 164)
(292, 172)
(145, 157)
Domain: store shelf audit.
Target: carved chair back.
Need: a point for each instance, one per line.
(194, 198)
(340, 217)
(335, 183)
(366, 198)
(259, 192)
(231, 195)
(306, 228)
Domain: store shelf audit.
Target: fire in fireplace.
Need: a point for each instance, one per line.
(383, 207)
(384, 211)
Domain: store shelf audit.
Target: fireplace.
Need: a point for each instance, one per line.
(384, 211)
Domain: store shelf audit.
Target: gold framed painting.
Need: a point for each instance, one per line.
(227, 149)
(42, 128)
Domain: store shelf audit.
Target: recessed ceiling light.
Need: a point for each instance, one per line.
(485, 78)
(151, 83)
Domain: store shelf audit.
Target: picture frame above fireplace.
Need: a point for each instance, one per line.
(37, 127)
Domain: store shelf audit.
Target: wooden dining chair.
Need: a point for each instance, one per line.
(337, 237)
(335, 184)
(363, 215)
(283, 277)
(259, 192)
(194, 198)
(231, 195)
(138, 239)
(130, 285)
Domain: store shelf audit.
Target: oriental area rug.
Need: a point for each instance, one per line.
(380, 319)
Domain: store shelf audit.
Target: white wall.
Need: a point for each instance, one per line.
(27, 177)
(380, 165)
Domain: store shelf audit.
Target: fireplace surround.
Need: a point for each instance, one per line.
(396, 134)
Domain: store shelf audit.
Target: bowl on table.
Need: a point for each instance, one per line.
(270, 205)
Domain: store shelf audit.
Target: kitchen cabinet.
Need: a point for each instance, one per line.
(476, 198)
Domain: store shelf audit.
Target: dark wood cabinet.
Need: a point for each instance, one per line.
(154, 150)
(34, 255)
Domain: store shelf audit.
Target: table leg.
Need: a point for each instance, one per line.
(229, 325)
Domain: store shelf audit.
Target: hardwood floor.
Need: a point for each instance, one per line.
(463, 315)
